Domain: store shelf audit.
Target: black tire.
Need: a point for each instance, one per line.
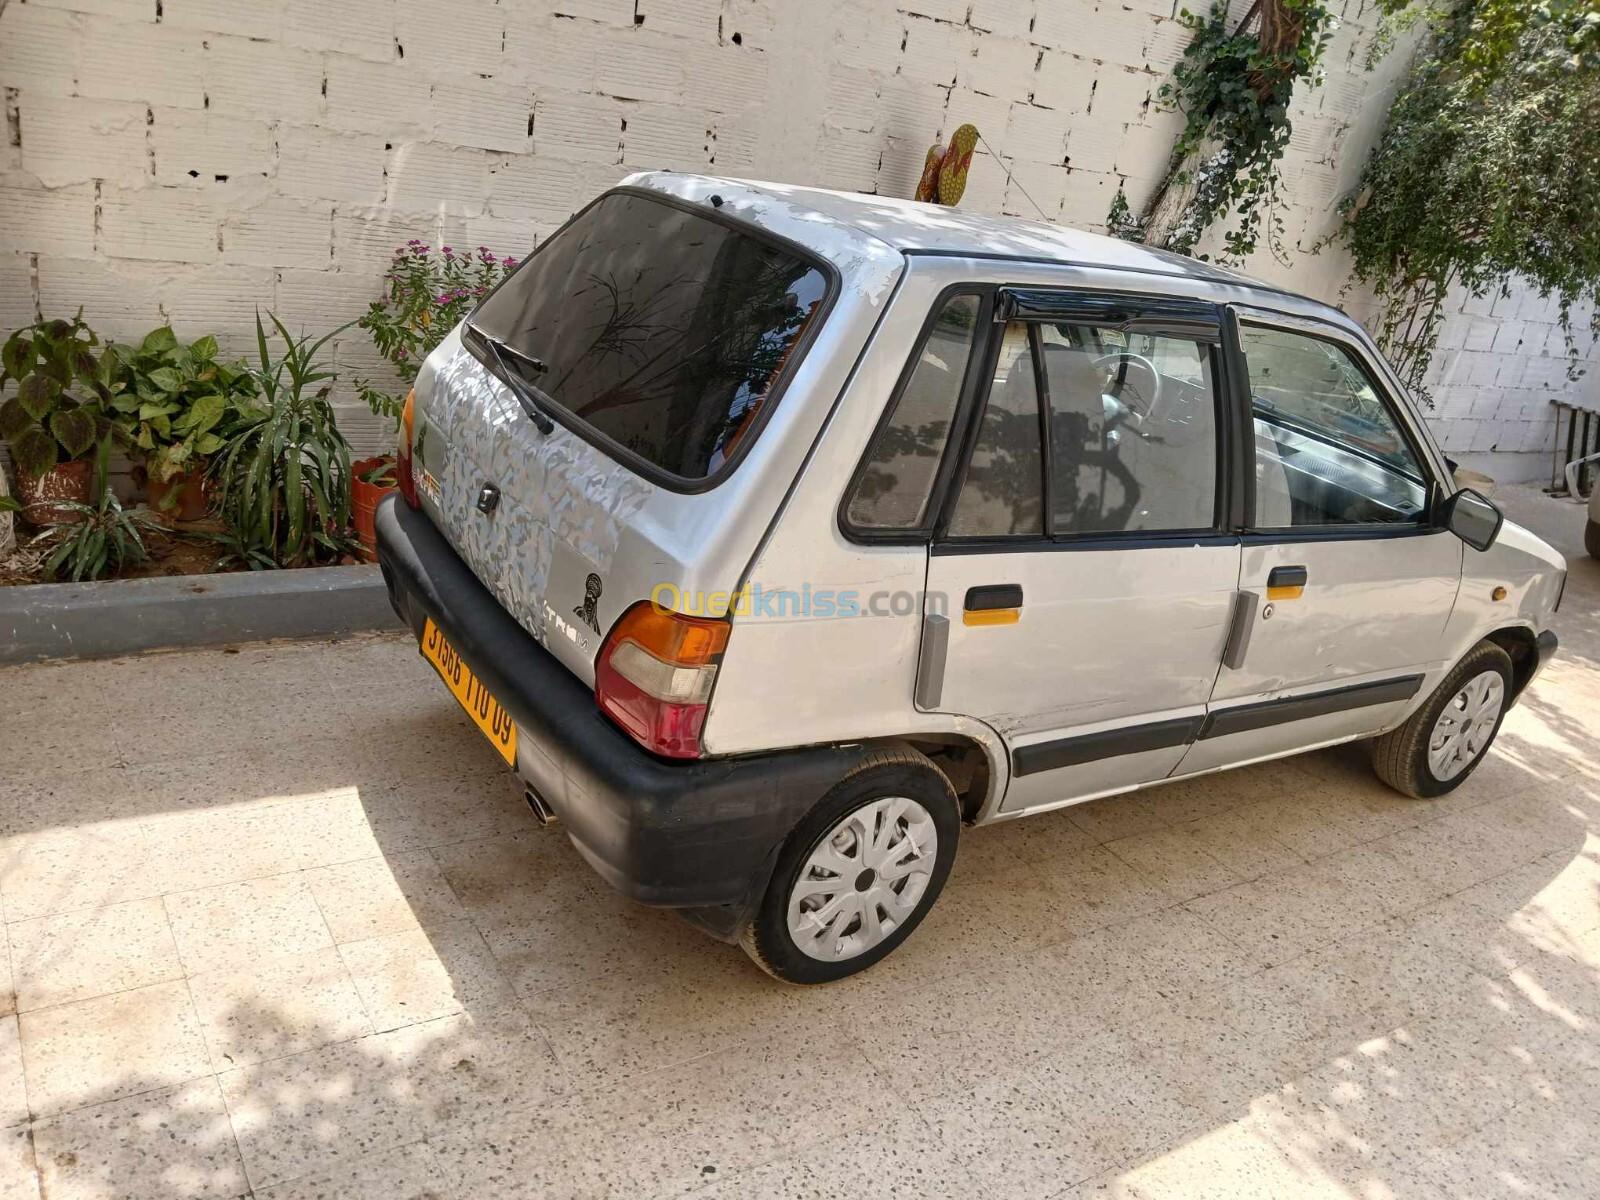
(892, 773)
(1400, 757)
(1591, 538)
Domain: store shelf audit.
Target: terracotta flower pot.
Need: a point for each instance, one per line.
(364, 500)
(184, 497)
(40, 495)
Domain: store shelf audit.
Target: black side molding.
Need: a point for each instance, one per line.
(1298, 708)
(1162, 735)
(1091, 747)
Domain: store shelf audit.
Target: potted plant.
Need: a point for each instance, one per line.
(57, 416)
(426, 294)
(105, 537)
(283, 475)
(174, 405)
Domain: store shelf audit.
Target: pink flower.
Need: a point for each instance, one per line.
(508, 262)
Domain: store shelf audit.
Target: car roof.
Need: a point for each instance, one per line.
(844, 226)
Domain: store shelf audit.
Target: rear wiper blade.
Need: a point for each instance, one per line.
(527, 395)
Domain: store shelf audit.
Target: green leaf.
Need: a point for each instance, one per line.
(159, 341)
(74, 429)
(17, 354)
(168, 379)
(204, 413)
(207, 444)
(204, 349)
(14, 418)
(38, 395)
(34, 451)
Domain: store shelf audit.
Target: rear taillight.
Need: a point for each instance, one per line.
(406, 481)
(654, 674)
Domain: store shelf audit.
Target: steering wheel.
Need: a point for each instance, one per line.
(1114, 362)
(1183, 420)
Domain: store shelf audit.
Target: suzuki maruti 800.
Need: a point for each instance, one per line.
(775, 536)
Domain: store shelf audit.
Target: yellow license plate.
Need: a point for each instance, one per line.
(486, 712)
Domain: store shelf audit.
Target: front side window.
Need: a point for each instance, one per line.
(1133, 431)
(658, 328)
(1329, 449)
(896, 484)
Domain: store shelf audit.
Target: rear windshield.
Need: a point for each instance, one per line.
(660, 329)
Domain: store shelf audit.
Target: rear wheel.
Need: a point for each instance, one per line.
(1591, 538)
(1444, 740)
(859, 873)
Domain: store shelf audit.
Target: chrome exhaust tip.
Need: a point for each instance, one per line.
(542, 812)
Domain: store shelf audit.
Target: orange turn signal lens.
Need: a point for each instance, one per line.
(672, 637)
(404, 478)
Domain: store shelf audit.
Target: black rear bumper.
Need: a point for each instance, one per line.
(697, 835)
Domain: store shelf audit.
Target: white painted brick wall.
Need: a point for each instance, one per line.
(194, 160)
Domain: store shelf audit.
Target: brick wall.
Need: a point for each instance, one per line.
(190, 160)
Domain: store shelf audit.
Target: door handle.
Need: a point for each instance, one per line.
(1286, 583)
(993, 604)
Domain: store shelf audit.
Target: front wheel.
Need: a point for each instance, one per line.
(1443, 741)
(1591, 538)
(859, 873)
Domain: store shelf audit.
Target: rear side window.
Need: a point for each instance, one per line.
(1002, 495)
(893, 489)
(1133, 433)
(1121, 437)
(660, 329)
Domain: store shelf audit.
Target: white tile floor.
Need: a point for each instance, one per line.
(277, 925)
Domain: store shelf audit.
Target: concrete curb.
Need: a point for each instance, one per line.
(105, 620)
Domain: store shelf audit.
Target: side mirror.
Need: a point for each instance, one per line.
(1473, 518)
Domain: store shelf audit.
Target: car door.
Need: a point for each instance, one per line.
(1080, 581)
(1346, 582)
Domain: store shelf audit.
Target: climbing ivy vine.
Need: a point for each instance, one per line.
(1233, 87)
(1488, 169)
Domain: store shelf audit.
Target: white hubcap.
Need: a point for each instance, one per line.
(864, 879)
(1466, 725)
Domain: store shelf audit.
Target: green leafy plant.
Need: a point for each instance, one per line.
(1233, 88)
(174, 405)
(380, 474)
(63, 379)
(283, 475)
(1487, 171)
(426, 294)
(105, 538)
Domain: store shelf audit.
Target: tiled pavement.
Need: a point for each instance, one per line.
(278, 926)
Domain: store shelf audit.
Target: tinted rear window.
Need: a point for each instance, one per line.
(660, 329)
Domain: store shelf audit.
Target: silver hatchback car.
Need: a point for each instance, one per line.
(772, 535)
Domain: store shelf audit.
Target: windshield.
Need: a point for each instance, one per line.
(661, 330)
